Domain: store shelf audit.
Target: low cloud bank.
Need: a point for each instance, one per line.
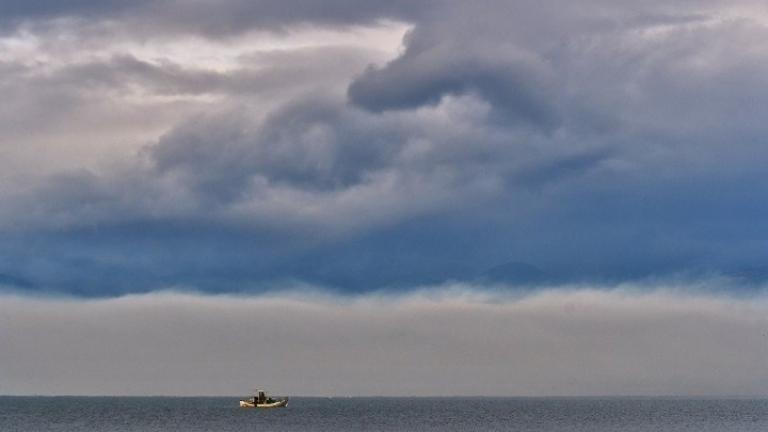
(442, 342)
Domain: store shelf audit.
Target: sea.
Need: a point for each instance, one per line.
(221, 414)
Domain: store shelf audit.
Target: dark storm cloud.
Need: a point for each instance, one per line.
(514, 81)
(312, 144)
(618, 193)
(589, 141)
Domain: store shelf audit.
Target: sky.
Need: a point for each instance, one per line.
(373, 168)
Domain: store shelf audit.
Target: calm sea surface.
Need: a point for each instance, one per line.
(77, 414)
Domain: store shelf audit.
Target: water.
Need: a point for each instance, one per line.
(117, 414)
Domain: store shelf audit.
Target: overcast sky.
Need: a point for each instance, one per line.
(364, 148)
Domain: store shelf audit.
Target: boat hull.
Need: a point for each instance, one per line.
(276, 404)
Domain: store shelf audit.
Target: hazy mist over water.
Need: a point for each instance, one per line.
(448, 341)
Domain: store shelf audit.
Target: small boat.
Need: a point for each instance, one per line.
(261, 400)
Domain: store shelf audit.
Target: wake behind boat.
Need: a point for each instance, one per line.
(261, 400)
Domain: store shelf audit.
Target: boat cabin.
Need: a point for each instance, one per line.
(260, 397)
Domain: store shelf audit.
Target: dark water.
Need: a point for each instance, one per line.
(76, 414)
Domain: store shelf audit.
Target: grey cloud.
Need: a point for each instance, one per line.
(73, 111)
(513, 80)
(227, 17)
(312, 144)
(82, 198)
(578, 342)
(123, 71)
(559, 168)
(309, 69)
(20, 9)
(319, 143)
(211, 18)
(599, 62)
(334, 159)
(578, 138)
(274, 73)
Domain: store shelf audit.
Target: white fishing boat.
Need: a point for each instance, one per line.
(261, 400)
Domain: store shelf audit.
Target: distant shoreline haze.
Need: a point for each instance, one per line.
(454, 340)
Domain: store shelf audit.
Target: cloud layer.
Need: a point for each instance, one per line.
(446, 342)
(362, 146)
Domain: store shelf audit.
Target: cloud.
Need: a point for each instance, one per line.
(313, 144)
(232, 16)
(18, 9)
(209, 18)
(513, 80)
(594, 142)
(312, 161)
(455, 342)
